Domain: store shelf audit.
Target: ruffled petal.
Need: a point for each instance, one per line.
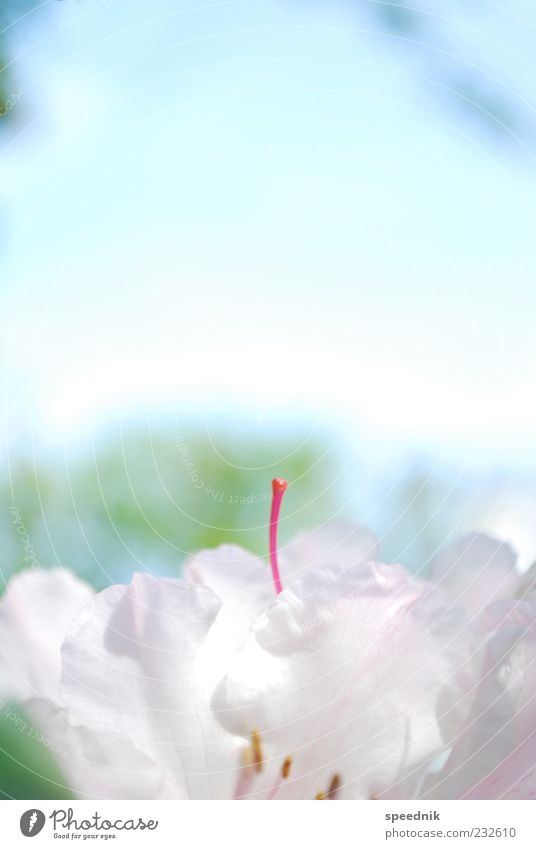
(527, 584)
(495, 757)
(35, 613)
(141, 663)
(244, 582)
(475, 571)
(241, 581)
(337, 542)
(99, 765)
(336, 691)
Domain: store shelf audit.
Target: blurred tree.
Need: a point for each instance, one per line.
(11, 13)
(433, 34)
(426, 31)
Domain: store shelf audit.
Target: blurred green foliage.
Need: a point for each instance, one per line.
(27, 769)
(4, 93)
(11, 12)
(146, 500)
(141, 500)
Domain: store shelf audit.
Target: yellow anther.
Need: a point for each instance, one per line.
(256, 750)
(334, 788)
(285, 770)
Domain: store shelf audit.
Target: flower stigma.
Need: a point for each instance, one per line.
(279, 487)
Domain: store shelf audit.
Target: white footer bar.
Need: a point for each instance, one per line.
(188, 825)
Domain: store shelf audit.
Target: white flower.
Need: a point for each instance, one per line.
(334, 677)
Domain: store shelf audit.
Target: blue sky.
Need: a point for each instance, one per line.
(271, 209)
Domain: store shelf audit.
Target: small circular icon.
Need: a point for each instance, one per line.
(31, 822)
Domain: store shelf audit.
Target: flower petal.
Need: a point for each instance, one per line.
(338, 541)
(35, 613)
(141, 663)
(343, 675)
(244, 582)
(527, 584)
(241, 581)
(495, 757)
(98, 765)
(475, 571)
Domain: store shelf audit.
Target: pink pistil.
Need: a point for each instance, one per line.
(278, 488)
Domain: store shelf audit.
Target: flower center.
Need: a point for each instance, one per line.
(278, 488)
(252, 765)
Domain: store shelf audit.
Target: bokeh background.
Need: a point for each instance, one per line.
(254, 238)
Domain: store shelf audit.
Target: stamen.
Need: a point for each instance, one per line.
(278, 488)
(334, 787)
(252, 762)
(284, 774)
(256, 750)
